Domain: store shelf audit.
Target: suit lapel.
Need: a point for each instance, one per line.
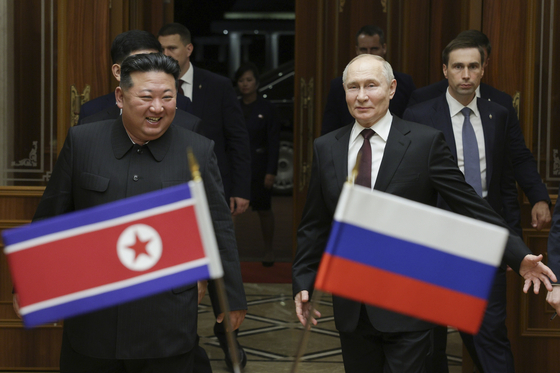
(441, 120)
(395, 149)
(339, 153)
(489, 129)
(198, 98)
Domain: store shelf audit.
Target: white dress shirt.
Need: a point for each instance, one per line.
(188, 79)
(377, 141)
(457, 119)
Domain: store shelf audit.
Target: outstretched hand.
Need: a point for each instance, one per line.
(303, 307)
(534, 272)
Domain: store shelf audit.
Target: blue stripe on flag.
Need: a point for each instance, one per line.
(98, 214)
(111, 298)
(410, 259)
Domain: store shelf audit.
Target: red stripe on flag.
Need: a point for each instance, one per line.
(90, 260)
(401, 294)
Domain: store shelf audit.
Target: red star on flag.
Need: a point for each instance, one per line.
(139, 247)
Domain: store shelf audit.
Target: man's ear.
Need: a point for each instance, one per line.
(119, 97)
(392, 88)
(445, 71)
(116, 68)
(190, 49)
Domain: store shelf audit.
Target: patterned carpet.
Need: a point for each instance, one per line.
(271, 334)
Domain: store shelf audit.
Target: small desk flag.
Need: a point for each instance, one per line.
(114, 253)
(411, 258)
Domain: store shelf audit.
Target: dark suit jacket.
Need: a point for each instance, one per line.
(554, 241)
(96, 166)
(336, 111)
(502, 191)
(417, 164)
(215, 102)
(264, 134)
(524, 165)
(182, 118)
(107, 101)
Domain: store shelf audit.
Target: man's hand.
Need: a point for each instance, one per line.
(16, 305)
(269, 181)
(238, 205)
(303, 307)
(236, 318)
(540, 215)
(202, 286)
(533, 271)
(553, 298)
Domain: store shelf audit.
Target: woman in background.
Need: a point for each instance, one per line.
(264, 134)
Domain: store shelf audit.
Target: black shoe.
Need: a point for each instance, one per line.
(222, 339)
(268, 264)
(242, 357)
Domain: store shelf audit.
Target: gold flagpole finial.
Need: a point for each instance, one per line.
(193, 164)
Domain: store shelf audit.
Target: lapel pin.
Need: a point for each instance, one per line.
(261, 116)
(200, 86)
(490, 116)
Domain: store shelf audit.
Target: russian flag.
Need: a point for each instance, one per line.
(114, 253)
(411, 258)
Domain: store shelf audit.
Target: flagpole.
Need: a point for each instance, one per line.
(219, 282)
(316, 297)
(318, 294)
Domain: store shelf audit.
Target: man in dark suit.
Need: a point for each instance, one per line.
(215, 102)
(369, 40)
(141, 151)
(454, 113)
(553, 297)
(408, 160)
(524, 165)
(124, 45)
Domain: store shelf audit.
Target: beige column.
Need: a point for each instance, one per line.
(6, 87)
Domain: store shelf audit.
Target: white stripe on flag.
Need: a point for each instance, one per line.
(421, 224)
(206, 228)
(98, 226)
(114, 286)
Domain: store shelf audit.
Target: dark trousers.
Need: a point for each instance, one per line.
(490, 348)
(74, 362)
(369, 350)
(491, 343)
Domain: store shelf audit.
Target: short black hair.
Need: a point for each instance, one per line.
(131, 41)
(176, 28)
(247, 66)
(146, 63)
(478, 37)
(371, 30)
(461, 43)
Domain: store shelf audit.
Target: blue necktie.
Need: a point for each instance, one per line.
(471, 155)
(364, 168)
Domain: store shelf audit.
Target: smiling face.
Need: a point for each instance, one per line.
(463, 72)
(367, 91)
(148, 106)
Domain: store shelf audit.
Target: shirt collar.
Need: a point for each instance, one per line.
(122, 143)
(455, 106)
(188, 77)
(381, 127)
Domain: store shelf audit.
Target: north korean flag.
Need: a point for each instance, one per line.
(114, 253)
